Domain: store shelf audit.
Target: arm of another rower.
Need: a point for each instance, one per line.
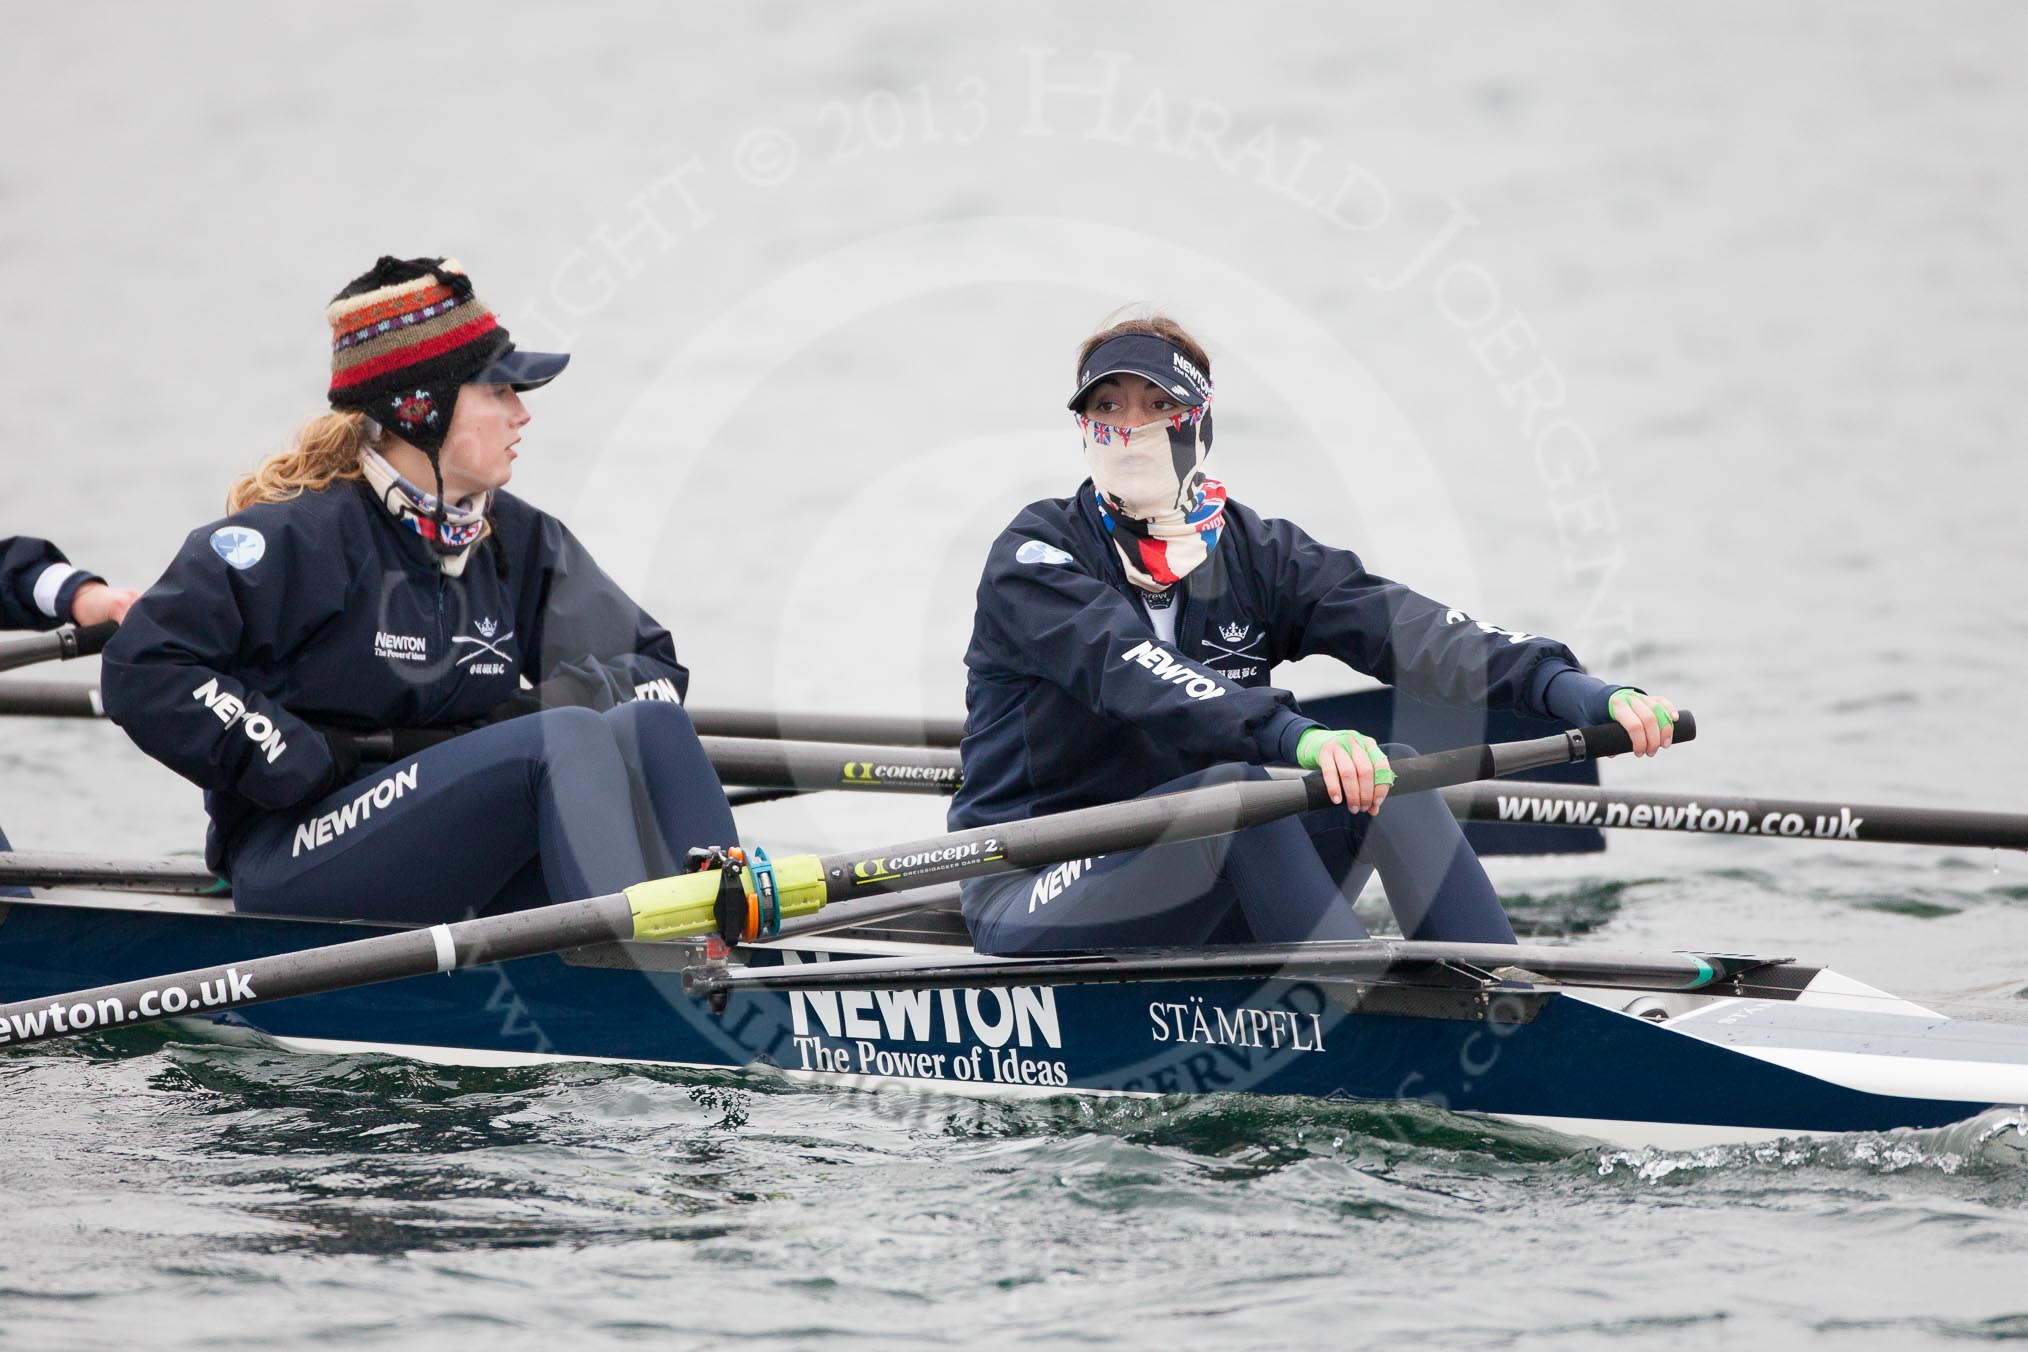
(38, 584)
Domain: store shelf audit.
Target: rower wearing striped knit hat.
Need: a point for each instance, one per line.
(377, 591)
(1124, 644)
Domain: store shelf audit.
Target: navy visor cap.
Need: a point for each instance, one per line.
(522, 370)
(1143, 354)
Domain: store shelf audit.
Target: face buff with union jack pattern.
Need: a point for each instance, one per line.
(1163, 514)
(464, 523)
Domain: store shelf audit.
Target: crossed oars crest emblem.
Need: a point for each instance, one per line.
(485, 642)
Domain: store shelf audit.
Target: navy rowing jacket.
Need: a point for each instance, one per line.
(324, 611)
(1072, 700)
(36, 583)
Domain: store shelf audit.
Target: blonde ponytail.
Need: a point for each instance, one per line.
(326, 451)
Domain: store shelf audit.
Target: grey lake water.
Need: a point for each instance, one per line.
(1691, 334)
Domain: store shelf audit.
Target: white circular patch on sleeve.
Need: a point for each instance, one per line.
(240, 546)
(1034, 551)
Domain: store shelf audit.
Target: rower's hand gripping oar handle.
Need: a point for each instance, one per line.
(1465, 764)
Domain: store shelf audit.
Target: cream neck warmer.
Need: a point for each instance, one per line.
(465, 523)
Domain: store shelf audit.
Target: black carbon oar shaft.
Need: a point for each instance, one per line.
(50, 699)
(807, 727)
(809, 766)
(58, 645)
(48, 868)
(1720, 814)
(362, 962)
(1190, 815)
(755, 762)
(77, 699)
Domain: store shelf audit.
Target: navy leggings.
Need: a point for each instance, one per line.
(554, 806)
(1280, 882)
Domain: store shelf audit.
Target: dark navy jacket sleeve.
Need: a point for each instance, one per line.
(593, 645)
(37, 583)
(1430, 650)
(1040, 614)
(164, 678)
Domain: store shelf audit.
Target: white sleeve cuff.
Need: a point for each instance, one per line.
(49, 584)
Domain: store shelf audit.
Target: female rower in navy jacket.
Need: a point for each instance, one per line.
(1123, 645)
(41, 589)
(378, 577)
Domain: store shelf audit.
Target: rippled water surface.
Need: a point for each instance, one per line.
(375, 1199)
(821, 269)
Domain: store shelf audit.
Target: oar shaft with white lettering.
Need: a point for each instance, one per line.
(58, 645)
(362, 962)
(1719, 814)
(691, 904)
(808, 766)
(755, 762)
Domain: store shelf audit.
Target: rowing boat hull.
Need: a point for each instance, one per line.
(1714, 1071)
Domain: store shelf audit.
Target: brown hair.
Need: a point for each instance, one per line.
(1155, 323)
(326, 451)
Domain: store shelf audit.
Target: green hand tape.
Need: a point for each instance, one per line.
(1310, 747)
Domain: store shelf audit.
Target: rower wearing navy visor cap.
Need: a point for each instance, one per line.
(1123, 645)
(377, 592)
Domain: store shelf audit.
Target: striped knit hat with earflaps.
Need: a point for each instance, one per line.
(404, 337)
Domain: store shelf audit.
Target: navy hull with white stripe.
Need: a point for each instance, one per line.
(1760, 1050)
